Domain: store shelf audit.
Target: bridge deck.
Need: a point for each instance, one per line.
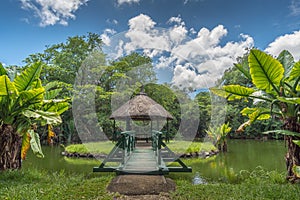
(142, 159)
(137, 157)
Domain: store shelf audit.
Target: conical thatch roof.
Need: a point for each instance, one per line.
(141, 107)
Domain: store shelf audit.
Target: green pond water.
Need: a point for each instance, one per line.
(241, 155)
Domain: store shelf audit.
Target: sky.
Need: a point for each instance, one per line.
(192, 42)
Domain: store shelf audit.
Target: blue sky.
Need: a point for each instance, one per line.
(223, 28)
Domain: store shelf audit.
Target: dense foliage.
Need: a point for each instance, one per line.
(25, 104)
(275, 94)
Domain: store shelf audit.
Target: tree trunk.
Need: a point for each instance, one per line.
(10, 148)
(292, 157)
(224, 146)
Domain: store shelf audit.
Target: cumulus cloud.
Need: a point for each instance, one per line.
(105, 36)
(290, 42)
(52, 12)
(196, 62)
(120, 2)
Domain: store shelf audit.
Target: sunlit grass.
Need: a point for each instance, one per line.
(179, 147)
(190, 147)
(35, 183)
(92, 147)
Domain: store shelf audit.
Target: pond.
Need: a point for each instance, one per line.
(241, 155)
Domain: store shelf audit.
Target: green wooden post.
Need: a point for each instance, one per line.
(159, 147)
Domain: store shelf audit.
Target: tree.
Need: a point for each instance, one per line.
(275, 81)
(62, 62)
(24, 104)
(204, 102)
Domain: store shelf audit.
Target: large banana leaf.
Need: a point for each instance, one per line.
(2, 70)
(287, 61)
(253, 114)
(30, 97)
(238, 91)
(283, 132)
(28, 79)
(256, 113)
(243, 68)
(35, 144)
(44, 117)
(218, 92)
(295, 72)
(295, 100)
(58, 106)
(266, 72)
(7, 88)
(51, 94)
(25, 145)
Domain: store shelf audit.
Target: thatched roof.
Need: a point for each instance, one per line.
(141, 107)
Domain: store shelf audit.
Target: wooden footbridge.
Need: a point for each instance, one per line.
(149, 156)
(140, 157)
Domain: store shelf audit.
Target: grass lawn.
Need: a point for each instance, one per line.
(38, 184)
(32, 183)
(105, 147)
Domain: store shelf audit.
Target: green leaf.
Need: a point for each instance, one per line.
(295, 73)
(29, 77)
(295, 100)
(256, 113)
(266, 72)
(30, 97)
(287, 60)
(58, 106)
(297, 142)
(46, 117)
(35, 144)
(51, 94)
(7, 88)
(238, 91)
(296, 170)
(218, 92)
(244, 70)
(283, 132)
(2, 70)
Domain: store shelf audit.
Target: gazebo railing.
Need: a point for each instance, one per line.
(128, 144)
(165, 154)
(120, 153)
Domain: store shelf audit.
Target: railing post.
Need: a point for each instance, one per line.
(159, 147)
(123, 146)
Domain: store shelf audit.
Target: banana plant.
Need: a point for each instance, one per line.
(276, 81)
(22, 108)
(218, 135)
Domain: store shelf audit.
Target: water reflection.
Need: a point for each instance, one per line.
(197, 180)
(241, 155)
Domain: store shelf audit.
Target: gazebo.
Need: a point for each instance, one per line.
(146, 159)
(141, 108)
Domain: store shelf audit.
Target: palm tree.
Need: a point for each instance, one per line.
(22, 108)
(275, 81)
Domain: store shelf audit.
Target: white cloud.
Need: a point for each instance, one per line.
(120, 2)
(52, 12)
(112, 21)
(196, 62)
(295, 7)
(290, 42)
(105, 36)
